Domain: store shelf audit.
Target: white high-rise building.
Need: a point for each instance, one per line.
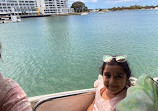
(47, 7)
(18, 7)
(34, 7)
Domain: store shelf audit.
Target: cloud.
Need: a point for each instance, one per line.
(120, 1)
(94, 1)
(84, 1)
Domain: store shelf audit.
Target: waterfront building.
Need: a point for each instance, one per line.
(34, 7)
(18, 7)
(47, 7)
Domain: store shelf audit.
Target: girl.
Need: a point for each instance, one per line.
(111, 85)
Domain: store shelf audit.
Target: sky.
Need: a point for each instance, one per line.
(104, 4)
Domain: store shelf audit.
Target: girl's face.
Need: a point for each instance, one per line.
(115, 79)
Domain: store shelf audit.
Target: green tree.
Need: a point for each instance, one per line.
(100, 9)
(79, 7)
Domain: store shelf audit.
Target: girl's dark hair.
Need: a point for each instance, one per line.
(114, 62)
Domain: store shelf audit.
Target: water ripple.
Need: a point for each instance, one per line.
(55, 54)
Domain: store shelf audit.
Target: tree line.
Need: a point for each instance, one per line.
(80, 7)
(132, 7)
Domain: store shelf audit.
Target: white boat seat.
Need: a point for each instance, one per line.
(69, 102)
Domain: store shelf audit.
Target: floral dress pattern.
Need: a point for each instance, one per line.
(12, 96)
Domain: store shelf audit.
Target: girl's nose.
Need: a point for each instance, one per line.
(112, 80)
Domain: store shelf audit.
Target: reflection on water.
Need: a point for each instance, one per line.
(54, 54)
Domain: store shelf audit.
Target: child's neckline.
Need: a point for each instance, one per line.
(102, 91)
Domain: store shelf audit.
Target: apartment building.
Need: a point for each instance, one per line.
(18, 7)
(34, 7)
(47, 7)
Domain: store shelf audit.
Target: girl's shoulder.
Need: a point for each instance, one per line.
(98, 82)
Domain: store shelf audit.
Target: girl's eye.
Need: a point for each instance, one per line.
(119, 76)
(107, 75)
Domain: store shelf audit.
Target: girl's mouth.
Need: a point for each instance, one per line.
(113, 86)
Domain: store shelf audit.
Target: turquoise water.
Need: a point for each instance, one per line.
(55, 54)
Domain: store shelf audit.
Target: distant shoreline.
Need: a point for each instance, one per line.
(132, 9)
(51, 15)
(105, 10)
(32, 16)
(122, 10)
